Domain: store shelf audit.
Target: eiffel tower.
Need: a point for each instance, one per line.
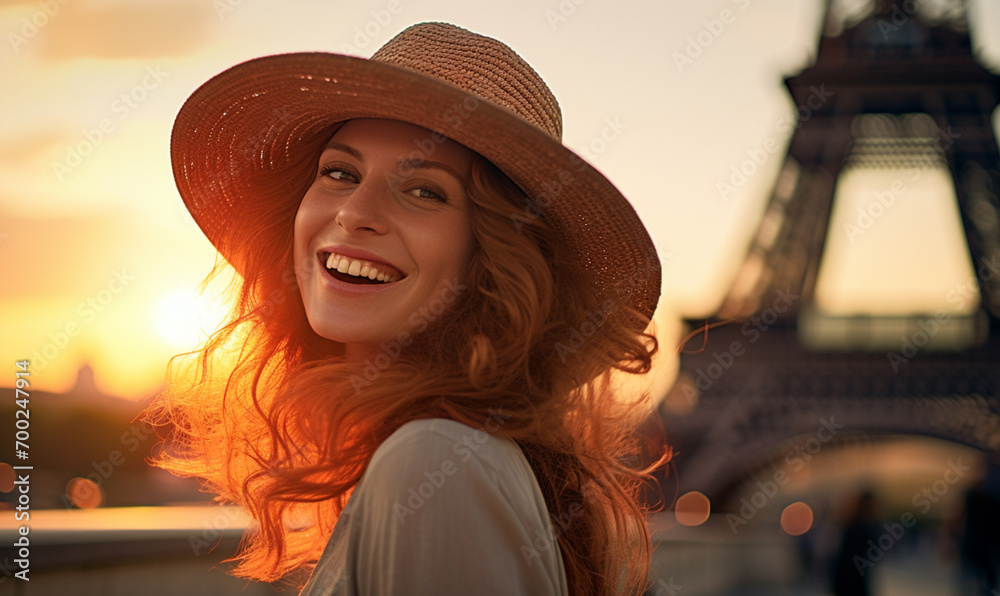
(898, 91)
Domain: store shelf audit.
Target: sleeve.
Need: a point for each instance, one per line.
(443, 514)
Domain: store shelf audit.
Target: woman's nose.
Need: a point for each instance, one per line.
(364, 208)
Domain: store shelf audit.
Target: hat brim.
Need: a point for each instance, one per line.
(245, 119)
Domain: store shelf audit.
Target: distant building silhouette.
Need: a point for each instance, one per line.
(763, 391)
(85, 384)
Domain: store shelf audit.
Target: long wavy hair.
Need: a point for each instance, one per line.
(273, 418)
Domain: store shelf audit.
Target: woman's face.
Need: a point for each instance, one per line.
(383, 236)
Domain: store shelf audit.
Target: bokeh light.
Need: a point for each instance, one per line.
(84, 493)
(6, 477)
(797, 519)
(692, 509)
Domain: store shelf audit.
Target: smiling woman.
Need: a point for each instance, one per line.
(436, 297)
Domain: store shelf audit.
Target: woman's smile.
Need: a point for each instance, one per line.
(358, 271)
(354, 266)
(353, 277)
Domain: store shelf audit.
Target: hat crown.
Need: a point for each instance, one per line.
(479, 65)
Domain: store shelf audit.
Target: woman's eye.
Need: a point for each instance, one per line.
(336, 173)
(428, 194)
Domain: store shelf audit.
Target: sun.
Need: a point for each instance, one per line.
(185, 318)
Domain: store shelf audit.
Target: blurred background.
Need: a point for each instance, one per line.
(819, 177)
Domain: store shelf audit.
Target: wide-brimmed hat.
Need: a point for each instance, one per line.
(467, 87)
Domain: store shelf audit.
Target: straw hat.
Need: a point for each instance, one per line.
(470, 88)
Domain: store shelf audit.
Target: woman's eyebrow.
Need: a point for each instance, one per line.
(417, 164)
(346, 149)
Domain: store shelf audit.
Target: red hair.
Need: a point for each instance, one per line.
(527, 338)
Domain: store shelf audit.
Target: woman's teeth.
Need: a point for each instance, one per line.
(359, 268)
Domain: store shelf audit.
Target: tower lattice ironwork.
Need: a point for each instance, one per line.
(896, 89)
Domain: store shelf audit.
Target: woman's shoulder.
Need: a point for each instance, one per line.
(438, 464)
(444, 439)
(450, 509)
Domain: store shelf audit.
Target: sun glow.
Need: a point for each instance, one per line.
(185, 318)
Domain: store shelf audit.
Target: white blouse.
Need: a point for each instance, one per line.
(442, 509)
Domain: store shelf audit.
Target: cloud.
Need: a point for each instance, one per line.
(27, 151)
(128, 31)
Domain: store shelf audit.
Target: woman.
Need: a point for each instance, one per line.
(414, 394)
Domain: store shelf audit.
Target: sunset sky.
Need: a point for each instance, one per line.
(100, 260)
